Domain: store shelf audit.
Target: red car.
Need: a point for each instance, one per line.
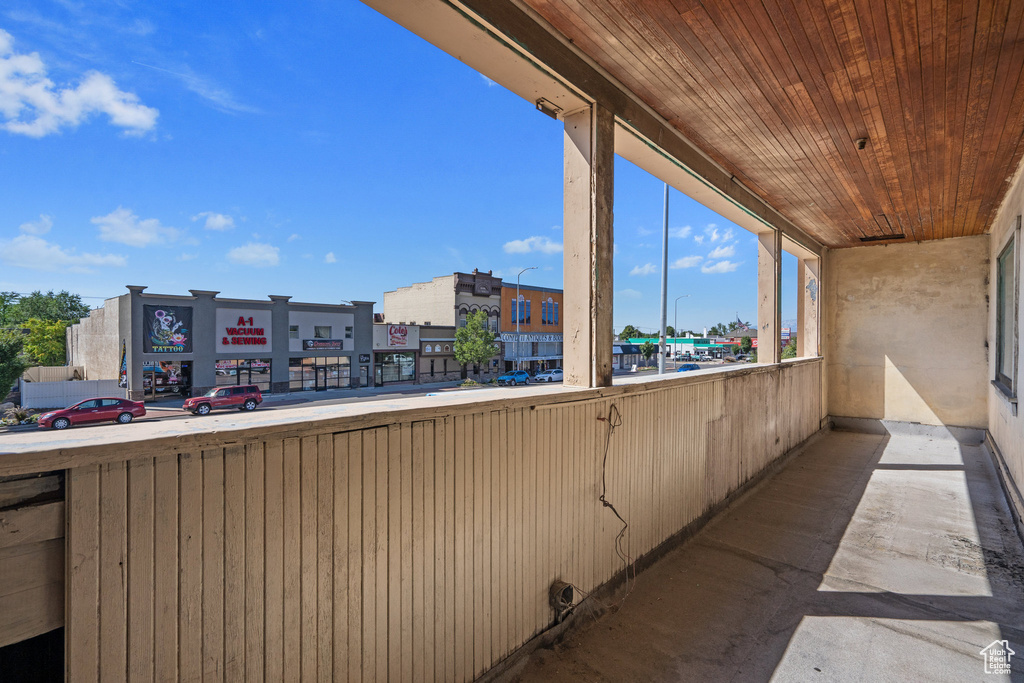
(245, 397)
(94, 410)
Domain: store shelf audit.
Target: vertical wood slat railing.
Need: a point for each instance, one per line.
(419, 550)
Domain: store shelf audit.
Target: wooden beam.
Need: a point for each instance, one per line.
(588, 239)
(808, 300)
(769, 281)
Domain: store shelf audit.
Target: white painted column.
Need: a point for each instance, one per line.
(769, 281)
(588, 242)
(808, 307)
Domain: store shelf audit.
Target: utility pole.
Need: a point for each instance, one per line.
(664, 289)
(519, 314)
(675, 325)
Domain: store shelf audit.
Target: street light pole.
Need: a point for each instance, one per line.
(675, 326)
(519, 314)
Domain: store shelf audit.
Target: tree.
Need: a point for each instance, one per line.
(719, 330)
(746, 344)
(45, 343)
(670, 331)
(8, 306)
(474, 343)
(789, 351)
(647, 350)
(735, 349)
(50, 306)
(629, 332)
(12, 359)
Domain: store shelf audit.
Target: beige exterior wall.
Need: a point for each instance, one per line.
(423, 302)
(94, 343)
(907, 332)
(377, 544)
(1006, 421)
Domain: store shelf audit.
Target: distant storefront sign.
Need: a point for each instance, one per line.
(323, 344)
(398, 335)
(122, 375)
(364, 358)
(509, 337)
(237, 327)
(168, 329)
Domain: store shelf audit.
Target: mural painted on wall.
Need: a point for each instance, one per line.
(168, 329)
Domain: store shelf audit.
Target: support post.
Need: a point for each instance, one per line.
(769, 281)
(808, 307)
(588, 244)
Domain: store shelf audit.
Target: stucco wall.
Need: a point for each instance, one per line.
(423, 302)
(94, 342)
(1006, 424)
(906, 333)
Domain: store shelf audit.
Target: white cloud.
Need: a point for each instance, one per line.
(255, 254)
(680, 232)
(489, 82)
(686, 262)
(29, 251)
(215, 221)
(720, 267)
(628, 294)
(543, 245)
(712, 232)
(294, 236)
(329, 257)
(644, 232)
(699, 239)
(31, 104)
(39, 227)
(647, 269)
(187, 257)
(727, 235)
(124, 227)
(724, 251)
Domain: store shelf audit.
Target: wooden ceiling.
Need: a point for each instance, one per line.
(780, 91)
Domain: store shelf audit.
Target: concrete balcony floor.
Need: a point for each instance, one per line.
(868, 557)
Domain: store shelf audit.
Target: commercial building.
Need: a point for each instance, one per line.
(532, 330)
(158, 344)
(440, 307)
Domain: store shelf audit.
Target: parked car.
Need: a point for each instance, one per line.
(93, 410)
(704, 357)
(514, 378)
(554, 375)
(244, 397)
(686, 367)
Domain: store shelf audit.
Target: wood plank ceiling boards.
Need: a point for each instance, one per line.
(857, 120)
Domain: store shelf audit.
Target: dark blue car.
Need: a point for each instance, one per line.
(688, 366)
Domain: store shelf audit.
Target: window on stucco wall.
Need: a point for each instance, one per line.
(1007, 276)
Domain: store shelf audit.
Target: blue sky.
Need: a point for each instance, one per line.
(316, 150)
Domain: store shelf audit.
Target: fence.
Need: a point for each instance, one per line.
(414, 544)
(63, 394)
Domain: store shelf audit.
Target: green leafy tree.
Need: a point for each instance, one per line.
(474, 343)
(61, 305)
(647, 350)
(789, 351)
(12, 359)
(719, 330)
(8, 307)
(747, 344)
(670, 331)
(629, 332)
(45, 341)
(735, 349)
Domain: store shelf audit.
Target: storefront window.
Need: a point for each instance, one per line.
(293, 331)
(348, 332)
(396, 367)
(318, 373)
(321, 331)
(233, 372)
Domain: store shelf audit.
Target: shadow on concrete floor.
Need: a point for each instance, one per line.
(867, 557)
